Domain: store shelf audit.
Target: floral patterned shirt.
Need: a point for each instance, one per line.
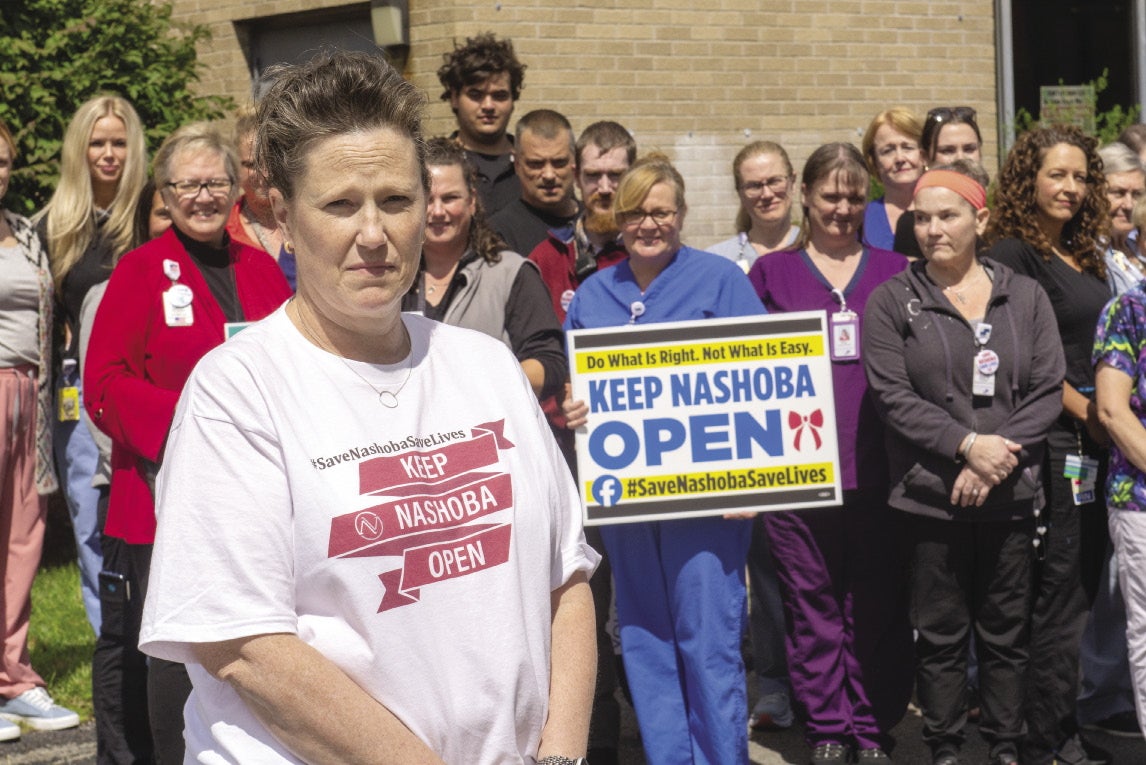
(1120, 341)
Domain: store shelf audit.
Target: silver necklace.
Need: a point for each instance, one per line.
(958, 292)
(388, 399)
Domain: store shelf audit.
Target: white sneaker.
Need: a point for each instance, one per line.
(9, 731)
(36, 709)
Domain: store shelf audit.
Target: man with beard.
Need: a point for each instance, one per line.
(482, 80)
(252, 221)
(545, 165)
(568, 255)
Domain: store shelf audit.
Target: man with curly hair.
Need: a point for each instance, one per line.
(482, 80)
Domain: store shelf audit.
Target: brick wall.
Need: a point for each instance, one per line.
(697, 83)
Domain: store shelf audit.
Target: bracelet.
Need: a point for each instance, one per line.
(967, 448)
(556, 759)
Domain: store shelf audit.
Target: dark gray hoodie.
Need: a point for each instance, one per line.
(919, 356)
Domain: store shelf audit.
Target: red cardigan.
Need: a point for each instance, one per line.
(136, 365)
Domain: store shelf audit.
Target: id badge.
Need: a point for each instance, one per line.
(177, 306)
(845, 336)
(986, 365)
(1083, 474)
(69, 404)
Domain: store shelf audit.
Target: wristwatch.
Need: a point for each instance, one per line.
(556, 759)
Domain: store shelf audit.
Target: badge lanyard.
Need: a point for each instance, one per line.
(68, 401)
(741, 258)
(986, 363)
(1082, 470)
(844, 326)
(177, 298)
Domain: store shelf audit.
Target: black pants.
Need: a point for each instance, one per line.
(119, 670)
(167, 684)
(970, 576)
(605, 721)
(1060, 610)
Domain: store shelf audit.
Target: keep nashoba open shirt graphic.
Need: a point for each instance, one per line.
(434, 511)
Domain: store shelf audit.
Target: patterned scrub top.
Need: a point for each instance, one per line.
(1120, 341)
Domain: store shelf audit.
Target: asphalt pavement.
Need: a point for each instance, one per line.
(77, 746)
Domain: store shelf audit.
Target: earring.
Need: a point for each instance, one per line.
(289, 248)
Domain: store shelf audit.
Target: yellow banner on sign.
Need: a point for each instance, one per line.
(749, 479)
(652, 357)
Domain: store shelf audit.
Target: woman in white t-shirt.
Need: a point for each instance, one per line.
(368, 544)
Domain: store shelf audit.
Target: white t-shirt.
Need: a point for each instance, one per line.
(415, 547)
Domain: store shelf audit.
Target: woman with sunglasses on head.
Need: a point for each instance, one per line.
(891, 148)
(1050, 219)
(764, 181)
(166, 305)
(949, 133)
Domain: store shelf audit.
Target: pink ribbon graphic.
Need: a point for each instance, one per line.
(812, 423)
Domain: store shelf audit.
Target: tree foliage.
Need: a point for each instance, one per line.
(1108, 124)
(59, 53)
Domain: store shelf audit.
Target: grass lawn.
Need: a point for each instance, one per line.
(60, 639)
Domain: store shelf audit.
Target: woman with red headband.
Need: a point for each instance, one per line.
(964, 364)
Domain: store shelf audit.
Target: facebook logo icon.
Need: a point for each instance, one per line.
(607, 491)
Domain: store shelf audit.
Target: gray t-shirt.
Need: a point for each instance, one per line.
(19, 310)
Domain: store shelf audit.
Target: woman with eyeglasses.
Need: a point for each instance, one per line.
(1125, 186)
(167, 304)
(840, 575)
(949, 133)
(764, 181)
(679, 584)
(891, 148)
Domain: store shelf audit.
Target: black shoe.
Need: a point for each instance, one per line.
(1075, 751)
(873, 756)
(1122, 724)
(829, 754)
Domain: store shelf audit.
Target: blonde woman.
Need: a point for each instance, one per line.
(86, 226)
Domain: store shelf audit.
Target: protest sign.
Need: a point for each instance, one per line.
(705, 417)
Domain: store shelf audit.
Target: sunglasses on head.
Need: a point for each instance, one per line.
(941, 114)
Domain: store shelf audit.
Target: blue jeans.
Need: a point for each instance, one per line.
(76, 458)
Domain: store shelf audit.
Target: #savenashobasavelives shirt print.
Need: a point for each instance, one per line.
(415, 547)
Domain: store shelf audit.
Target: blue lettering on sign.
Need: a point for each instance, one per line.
(737, 385)
(620, 394)
(662, 435)
(630, 445)
(710, 437)
(706, 437)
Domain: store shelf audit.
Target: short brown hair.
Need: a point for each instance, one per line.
(333, 94)
(607, 135)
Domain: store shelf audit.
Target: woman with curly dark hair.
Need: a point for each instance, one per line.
(1051, 215)
(470, 279)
